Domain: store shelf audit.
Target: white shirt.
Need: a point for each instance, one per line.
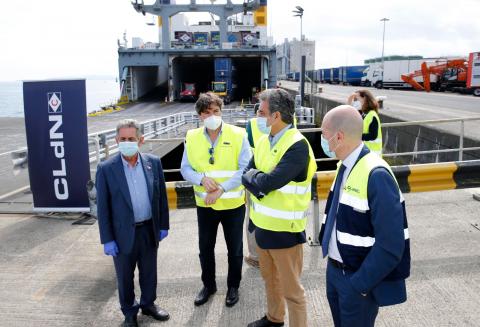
(348, 163)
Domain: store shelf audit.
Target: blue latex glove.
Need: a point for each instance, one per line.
(110, 248)
(162, 234)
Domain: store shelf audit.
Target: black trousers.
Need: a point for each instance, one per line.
(232, 223)
(144, 254)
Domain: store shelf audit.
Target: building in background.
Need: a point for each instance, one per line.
(289, 55)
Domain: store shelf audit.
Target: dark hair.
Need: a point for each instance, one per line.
(370, 102)
(205, 100)
(281, 101)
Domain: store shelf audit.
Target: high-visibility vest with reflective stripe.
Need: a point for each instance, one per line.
(226, 155)
(355, 233)
(285, 209)
(256, 132)
(375, 145)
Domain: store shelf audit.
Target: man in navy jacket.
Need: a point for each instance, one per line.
(133, 217)
(365, 231)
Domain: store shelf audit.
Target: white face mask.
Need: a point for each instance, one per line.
(262, 125)
(213, 122)
(357, 105)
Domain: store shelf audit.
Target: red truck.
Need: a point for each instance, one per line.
(189, 92)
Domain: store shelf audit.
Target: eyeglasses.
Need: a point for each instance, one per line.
(212, 158)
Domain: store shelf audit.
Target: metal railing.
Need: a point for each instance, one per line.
(461, 135)
(104, 141)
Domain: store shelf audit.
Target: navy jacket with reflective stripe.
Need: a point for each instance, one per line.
(380, 268)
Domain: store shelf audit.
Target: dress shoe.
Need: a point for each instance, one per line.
(252, 262)
(204, 295)
(130, 321)
(232, 297)
(264, 322)
(156, 313)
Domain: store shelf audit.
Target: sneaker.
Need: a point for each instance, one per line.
(264, 322)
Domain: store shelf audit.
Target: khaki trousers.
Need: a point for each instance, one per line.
(281, 270)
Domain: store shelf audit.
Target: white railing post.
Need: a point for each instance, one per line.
(462, 132)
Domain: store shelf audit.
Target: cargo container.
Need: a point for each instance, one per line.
(334, 75)
(224, 84)
(351, 75)
(316, 76)
(325, 75)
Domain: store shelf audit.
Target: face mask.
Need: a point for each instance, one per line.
(266, 122)
(326, 147)
(262, 125)
(128, 149)
(357, 105)
(213, 122)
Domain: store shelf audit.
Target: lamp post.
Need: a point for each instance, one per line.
(299, 13)
(384, 20)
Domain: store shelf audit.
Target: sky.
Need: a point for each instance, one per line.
(73, 38)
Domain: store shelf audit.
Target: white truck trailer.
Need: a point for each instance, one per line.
(390, 76)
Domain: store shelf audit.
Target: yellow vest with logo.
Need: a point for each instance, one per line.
(226, 155)
(375, 145)
(355, 192)
(285, 209)
(355, 233)
(256, 132)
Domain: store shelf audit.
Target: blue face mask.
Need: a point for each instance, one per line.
(262, 125)
(326, 147)
(128, 149)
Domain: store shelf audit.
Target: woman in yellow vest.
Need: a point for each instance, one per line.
(213, 161)
(365, 103)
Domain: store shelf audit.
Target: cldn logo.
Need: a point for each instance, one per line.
(60, 181)
(54, 102)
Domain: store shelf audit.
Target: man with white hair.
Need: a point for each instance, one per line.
(365, 232)
(133, 218)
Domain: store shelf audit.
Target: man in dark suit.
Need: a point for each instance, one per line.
(365, 231)
(133, 218)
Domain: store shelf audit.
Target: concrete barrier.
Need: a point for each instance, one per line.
(411, 178)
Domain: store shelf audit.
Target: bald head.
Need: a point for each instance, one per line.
(344, 119)
(342, 127)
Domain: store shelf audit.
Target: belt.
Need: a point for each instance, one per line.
(143, 223)
(338, 264)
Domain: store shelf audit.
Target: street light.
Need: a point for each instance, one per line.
(299, 13)
(384, 20)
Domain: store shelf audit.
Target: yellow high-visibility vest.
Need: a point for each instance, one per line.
(375, 145)
(285, 209)
(226, 156)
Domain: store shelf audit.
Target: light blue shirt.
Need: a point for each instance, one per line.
(137, 186)
(349, 162)
(235, 181)
(274, 139)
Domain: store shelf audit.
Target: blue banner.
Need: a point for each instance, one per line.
(57, 140)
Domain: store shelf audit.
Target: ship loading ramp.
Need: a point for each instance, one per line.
(246, 75)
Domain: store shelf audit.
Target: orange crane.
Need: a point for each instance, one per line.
(457, 68)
